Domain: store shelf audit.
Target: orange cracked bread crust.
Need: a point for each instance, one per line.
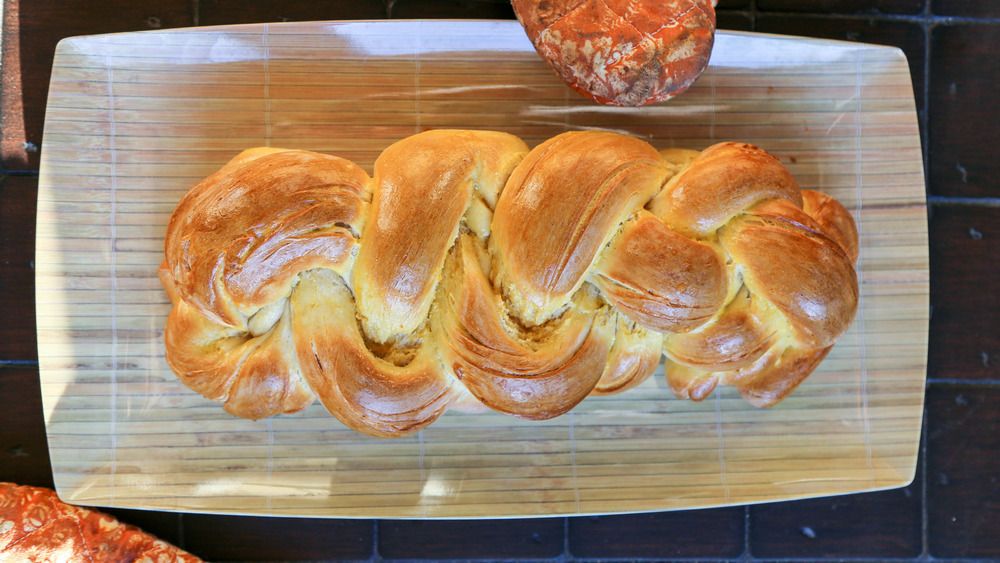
(622, 52)
(473, 272)
(36, 527)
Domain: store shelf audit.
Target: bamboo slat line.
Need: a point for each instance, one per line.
(135, 119)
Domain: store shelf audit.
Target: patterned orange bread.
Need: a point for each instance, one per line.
(36, 527)
(622, 52)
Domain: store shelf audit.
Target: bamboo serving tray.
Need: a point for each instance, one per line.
(136, 119)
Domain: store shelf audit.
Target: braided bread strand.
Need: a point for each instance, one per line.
(470, 271)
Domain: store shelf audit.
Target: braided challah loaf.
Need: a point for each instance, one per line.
(473, 271)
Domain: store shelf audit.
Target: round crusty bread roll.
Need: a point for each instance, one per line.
(622, 52)
(37, 527)
(473, 271)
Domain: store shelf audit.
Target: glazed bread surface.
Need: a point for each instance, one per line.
(472, 272)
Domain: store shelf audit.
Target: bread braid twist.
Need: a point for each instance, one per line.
(471, 270)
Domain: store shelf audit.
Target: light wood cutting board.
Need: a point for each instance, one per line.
(136, 119)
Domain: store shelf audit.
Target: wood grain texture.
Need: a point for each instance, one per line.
(908, 36)
(963, 461)
(24, 454)
(39, 27)
(451, 9)
(844, 6)
(733, 20)
(963, 112)
(229, 538)
(136, 119)
(13, 147)
(17, 257)
(450, 539)
(869, 526)
(965, 326)
(966, 8)
(713, 534)
(229, 12)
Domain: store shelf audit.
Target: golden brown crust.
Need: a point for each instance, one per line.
(232, 248)
(422, 188)
(733, 340)
(472, 270)
(816, 291)
(361, 389)
(253, 376)
(634, 356)
(660, 279)
(776, 380)
(531, 372)
(833, 219)
(794, 262)
(725, 179)
(543, 247)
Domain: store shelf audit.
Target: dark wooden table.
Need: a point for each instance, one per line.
(951, 511)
